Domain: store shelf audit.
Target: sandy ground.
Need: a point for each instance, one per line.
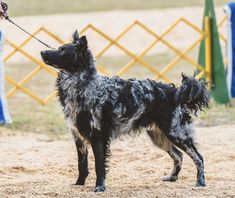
(36, 166)
(111, 23)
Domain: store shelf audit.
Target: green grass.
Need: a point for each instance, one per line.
(34, 7)
(32, 117)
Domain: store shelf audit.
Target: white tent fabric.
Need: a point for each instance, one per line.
(4, 114)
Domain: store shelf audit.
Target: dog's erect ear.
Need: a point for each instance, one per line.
(184, 77)
(195, 73)
(75, 37)
(83, 43)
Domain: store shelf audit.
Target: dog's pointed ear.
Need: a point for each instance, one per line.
(184, 77)
(195, 73)
(75, 37)
(83, 43)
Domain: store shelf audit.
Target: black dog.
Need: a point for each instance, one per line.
(99, 108)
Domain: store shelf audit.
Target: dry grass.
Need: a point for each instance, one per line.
(32, 7)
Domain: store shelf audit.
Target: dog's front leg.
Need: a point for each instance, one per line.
(82, 161)
(98, 147)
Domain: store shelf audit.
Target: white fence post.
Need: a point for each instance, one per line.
(4, 115)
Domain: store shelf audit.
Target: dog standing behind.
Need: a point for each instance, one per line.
(99, 108)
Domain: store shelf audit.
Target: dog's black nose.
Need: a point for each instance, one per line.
(43, 53)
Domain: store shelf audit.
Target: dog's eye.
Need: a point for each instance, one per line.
(61, 48)
(62, 52)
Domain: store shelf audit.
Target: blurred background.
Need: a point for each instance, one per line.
(129, 38)
(32, 7)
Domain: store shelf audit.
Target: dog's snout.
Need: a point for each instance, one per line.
(44, 53)
(46, 56)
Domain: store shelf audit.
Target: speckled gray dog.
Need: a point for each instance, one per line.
(99, 108)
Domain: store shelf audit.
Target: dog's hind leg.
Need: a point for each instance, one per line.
(161, 141)
(101, 152)
(182, 137)
(177, 157)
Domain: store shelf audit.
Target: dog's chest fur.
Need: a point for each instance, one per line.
(69, 98)
(77, 95)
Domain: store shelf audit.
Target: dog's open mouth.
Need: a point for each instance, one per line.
(49, 63)
(55, 66)
(46, 62)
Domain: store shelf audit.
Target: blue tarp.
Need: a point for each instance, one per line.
(4, 115)
(230, 11)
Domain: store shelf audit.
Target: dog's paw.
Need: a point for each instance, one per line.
(100, 188)
(201, 183)
(170, 178)
(80, 182)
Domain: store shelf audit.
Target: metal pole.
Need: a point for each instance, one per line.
(208, 51)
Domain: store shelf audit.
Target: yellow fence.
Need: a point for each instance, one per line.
(135, 58)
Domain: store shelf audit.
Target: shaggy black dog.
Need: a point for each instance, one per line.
(99, 108)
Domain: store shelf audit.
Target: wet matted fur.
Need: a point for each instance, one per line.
(98, 109)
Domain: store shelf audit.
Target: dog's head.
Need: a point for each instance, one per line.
(72, 57)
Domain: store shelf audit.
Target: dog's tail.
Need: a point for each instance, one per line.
(193, 94)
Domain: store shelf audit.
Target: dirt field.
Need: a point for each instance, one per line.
(36, 166)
